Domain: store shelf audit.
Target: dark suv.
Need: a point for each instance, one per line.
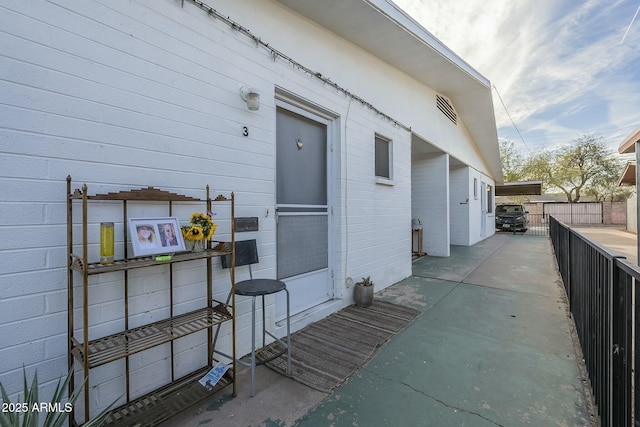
(512, 218)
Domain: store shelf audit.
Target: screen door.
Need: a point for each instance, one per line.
(302, 209)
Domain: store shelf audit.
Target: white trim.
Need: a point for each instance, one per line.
(304, 108)
(294, 206)
(302, 213)
(384, 181)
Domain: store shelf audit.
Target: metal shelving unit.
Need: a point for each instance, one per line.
(162, 403)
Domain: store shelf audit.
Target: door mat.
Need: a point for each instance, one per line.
(326, 353)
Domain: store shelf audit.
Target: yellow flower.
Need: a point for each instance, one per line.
(193, 233)
(201, 227)
(211, 231)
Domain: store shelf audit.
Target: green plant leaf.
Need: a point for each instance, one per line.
(31, 418)
(56, 419)
(7, 419)
(31, 397)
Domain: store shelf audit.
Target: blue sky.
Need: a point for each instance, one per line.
(560, 66)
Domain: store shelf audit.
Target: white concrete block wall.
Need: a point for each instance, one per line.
(123, 95)
(377, 221)
(632, 213)
(430, 201)
(116, 110)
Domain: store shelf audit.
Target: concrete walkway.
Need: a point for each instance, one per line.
(492, 347)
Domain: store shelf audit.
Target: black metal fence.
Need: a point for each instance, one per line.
(601, 291)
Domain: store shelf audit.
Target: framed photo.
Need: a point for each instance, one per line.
(151, 236)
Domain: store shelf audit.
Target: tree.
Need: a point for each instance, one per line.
(584, 166)
(605, 186)
(512, 161)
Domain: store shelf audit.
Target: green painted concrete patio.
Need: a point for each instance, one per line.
(493, 346)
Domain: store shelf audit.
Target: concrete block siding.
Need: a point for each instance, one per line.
(431, 203)
(631, 214)
(133, 105)
(126, 94)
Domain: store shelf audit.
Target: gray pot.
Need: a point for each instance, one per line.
(363, 295)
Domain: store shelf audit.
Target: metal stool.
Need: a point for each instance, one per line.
(247, 254)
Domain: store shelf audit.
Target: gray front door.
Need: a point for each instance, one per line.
(302, 208)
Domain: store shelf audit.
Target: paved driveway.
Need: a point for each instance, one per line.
(616, 240)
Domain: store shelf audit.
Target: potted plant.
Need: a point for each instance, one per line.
(363, 292)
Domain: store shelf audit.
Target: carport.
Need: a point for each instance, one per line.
(538, 224)
(519, 188)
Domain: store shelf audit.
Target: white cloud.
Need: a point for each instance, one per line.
(549, 60)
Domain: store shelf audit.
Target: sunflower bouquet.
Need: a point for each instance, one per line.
(201, 227)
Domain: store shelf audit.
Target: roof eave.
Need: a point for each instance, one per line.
(520, 188)
(412, 49)
(629, 144)
(628, 176)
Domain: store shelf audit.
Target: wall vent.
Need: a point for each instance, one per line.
(447, 109)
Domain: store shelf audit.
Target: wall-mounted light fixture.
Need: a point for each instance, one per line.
(251, 97)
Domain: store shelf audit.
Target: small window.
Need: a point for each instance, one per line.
(383, 158)
(475, 188)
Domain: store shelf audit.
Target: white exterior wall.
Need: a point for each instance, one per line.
(430, 202)
(466, 206)
(397, 94)
(126, 94)
(490, 218)
(477, 217)
(632, 213)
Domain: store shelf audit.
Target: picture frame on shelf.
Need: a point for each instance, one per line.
(151, 236)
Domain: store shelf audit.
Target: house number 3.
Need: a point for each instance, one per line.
(245, 131)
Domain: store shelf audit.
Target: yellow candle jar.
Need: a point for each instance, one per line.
(106, 242)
